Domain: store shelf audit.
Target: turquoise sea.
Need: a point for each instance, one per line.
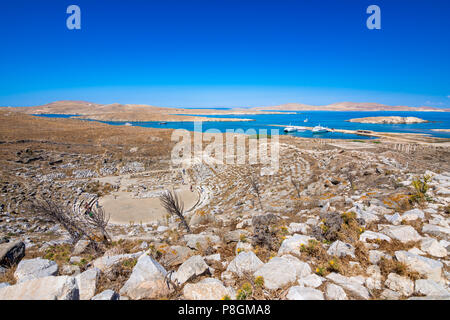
(330, 119)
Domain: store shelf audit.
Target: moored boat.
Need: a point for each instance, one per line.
(320, 129)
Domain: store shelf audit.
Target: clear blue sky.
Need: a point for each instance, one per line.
(225, 52)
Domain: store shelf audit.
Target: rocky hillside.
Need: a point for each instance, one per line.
(339, 220)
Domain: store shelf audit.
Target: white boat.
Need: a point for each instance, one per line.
(128, 124)
(306, 120)
(320, 129)
(290, 129)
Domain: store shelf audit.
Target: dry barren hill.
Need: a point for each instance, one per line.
(130, 112)
(348, 106)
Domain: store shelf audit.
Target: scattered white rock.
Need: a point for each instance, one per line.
(107, 262)
(374, 282)
(370, 235)
(304, 293)
(417, 251)
(46, 288)
(192, 267)
(352, 284)
(389, 294)
(35, 268)
(429, 268)
(430, 288)
(87, 283)
(413, 214)
(435, 230)
(80, 247)
(292, 244)
(402, 233)
(302, 269)
(376, 255)
(207, 289)
(395, 219)
(277, 273)
(302, 228)
(107, 295)
(202, 240)
(245, 262)
(335, 292)
(433, 247)
(243, 246)
(312, 281)
(341, 249)
(400, 284)
(146, 280)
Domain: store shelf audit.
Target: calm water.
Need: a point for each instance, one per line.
(330, 119)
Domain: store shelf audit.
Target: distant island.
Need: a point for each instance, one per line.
(389, 120)
(441, 130)
(348, 106)
(141, 113)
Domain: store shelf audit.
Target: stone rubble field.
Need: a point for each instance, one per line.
(333, 223)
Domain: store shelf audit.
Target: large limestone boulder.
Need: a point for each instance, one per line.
(432, 269)
(107, 262)
(302, 269)
(433, 247)
(413, 214)
(292, 244)
(352, 284)
(176, 255)
(47, 288)
(370, 235)
(146, 280)
(35, 268)
(302, 228)
(402, 233)
(80, 247)
(106, 295)
(429, 287)
(87, 283)
(312, 281)
(207, 289)
(192, 267)
(341, 249)
(436, 230)
(400, 284)
(375, 280)
(335, 292)
(11, 253)
(304, 293)
(245, 262)
(201, 240)
(277, 273)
